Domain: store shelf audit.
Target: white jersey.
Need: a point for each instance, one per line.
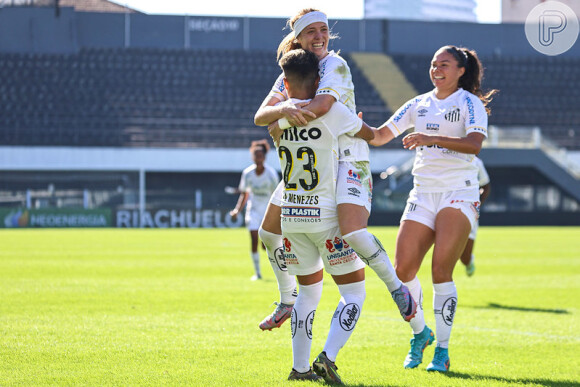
(259, 187)
(482, 174)
(335, 80)
(438, 169)
(309, 162)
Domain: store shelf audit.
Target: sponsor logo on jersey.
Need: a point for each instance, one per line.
(353, 178)
(322, 68)
(282, 87)
(304, 134)
(470, 111)
(453, 116)
(407, 106)
(432, 127)
(354, 192)
(422, 112)
(303, 212)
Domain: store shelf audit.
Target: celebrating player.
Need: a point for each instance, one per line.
(467, 257)
(309, 159)
(354, 183)
(256, 186)
(450, 125)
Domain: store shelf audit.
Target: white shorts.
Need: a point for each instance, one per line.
(473, 232)
(354, 184)
(423, 207)
(278, 194)
(307, 253)
(253, 219)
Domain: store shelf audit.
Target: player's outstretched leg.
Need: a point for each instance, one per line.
(371, 251)
(286, 282)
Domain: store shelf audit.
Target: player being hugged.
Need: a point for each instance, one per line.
(450, 125)
(312, 238)
(310, 32)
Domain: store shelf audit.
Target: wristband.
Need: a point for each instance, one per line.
(283, 123)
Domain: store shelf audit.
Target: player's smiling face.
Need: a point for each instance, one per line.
(445, 71)
(315, 38)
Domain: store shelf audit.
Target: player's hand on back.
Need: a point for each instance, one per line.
(296, 114)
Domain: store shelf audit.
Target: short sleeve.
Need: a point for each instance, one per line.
(278, 90)
(343, 121)
(404, 117)
(243, 187)
(335, 78)
(476, 116)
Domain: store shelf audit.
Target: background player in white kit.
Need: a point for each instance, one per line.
(257, 183)
(450, 125)
(467, 257)
(354, 184)
(309, 161)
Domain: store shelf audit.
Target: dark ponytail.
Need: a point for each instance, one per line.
(471, 78)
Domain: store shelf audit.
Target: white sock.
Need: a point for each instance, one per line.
(256, 261)
(371, 251)
(444, 306)
(302, 319)
(286, 282)
(418, 322)
(345, 317)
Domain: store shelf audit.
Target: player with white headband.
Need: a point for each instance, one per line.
(310, 31)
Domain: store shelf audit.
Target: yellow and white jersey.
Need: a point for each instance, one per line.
(309, 164)
(335, 80)
(438, 169)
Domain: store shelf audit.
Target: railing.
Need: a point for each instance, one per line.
(530, 138)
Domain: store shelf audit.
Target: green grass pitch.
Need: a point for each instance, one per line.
(177, 307)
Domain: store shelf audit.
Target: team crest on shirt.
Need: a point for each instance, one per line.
(453, 115)
(432, 127)
(422, 112)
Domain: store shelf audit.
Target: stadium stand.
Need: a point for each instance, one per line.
(207, 98)
(528, 95)
(143, 97)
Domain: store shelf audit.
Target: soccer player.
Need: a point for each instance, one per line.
(256, 186)
(450, 125)
(354, 182)
(312, 238)
(467, 257)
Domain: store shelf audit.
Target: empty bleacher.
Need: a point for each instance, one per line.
(207, 98)
(142, 97)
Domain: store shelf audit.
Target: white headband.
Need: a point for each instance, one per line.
(306, 20)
